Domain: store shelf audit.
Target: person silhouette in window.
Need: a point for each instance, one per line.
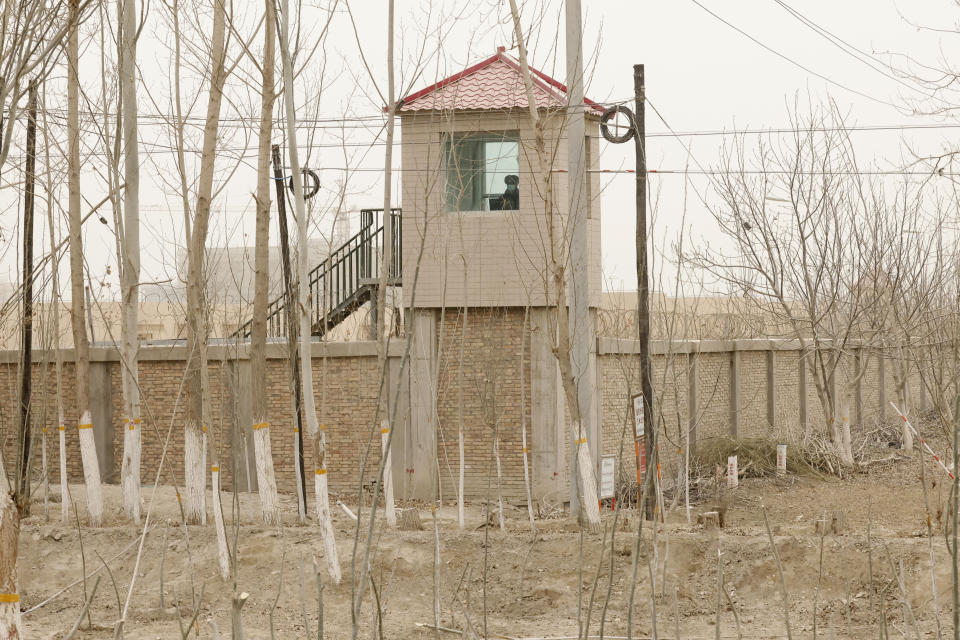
(511, 197)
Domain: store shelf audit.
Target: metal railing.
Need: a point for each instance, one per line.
(340, 283)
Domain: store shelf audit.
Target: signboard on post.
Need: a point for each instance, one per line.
(638, 442)
(608, 477)
(638, 416)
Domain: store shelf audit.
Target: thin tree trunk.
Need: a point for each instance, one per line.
(587, 487)
(523, 420)
(195, 437)
(130, 273)
(460, 442)
(88, 450)
(223, 552)
(55, 306)
(10, 625)
(314, 432)
(388, 504)
(266, 479)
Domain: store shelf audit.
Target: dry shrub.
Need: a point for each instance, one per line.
(757, 457)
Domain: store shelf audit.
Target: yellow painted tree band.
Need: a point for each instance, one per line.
(582, 441)
(384, 430)
(525, 449)
(323, 427)
(9, 597)
(63, 427)
(296, 430)
(44, 429)
(214, 468)
(261, 425)
(321, 472)
(203, 428)
(85, 426)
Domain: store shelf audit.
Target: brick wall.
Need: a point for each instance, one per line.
(494, 398)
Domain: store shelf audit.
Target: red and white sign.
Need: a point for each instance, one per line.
(733, 479)
(638, 415)
(781, 459)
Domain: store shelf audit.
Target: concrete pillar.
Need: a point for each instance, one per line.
(771, 388)
(421, 434)
(101, 412)
(547, 431)
(802, 391)
(240, 378)
(399, 415)
(734, 391)
(693, 397)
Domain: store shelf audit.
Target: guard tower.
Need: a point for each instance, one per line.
(476, 251)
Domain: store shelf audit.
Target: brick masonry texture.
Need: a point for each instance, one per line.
(494, 400)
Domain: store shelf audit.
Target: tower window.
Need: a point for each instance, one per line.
(482, 172)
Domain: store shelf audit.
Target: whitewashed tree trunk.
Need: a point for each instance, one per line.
(588, 483)
(194, 480)
(266, 479)
(88, 451)
(10, 624)
(543, 178)
(130, 469)
(306, 356)
(223, 552)
(197, 325)
(130, 273)
(91, 470)
(388, 503)
(325, 522)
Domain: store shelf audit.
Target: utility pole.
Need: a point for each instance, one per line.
(26, 360)
(643, 279)
(645, 434)
(581, 326)
(292, 333)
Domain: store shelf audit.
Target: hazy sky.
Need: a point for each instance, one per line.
(702, 76)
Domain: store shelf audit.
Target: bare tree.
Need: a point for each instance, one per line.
(543, 181)
(803, 226)
(266, 481)
(81, 344)
(197, 387)
(130, 270)
(304, 304)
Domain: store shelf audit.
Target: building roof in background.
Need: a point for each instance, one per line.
(494, 83)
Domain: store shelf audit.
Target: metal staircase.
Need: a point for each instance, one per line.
(345, 280)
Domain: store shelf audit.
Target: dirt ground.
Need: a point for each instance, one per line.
(533, 584)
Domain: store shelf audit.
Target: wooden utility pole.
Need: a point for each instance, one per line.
(643, 278)
(292, 333)
(26, 358)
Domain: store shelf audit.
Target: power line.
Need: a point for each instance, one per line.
(792, 61)
(857, 54)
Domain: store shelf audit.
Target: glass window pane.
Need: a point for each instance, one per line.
(482, 172)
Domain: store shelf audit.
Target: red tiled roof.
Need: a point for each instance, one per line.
(495, 83)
